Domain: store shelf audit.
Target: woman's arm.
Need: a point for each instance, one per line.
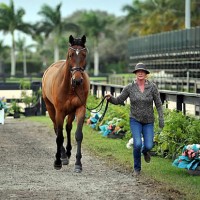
(159, 107)
(119, 99)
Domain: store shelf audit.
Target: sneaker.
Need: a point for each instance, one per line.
(136, 173)
(147, 157)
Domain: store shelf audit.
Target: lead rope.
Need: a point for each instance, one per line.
(99, 105)
(102, 116)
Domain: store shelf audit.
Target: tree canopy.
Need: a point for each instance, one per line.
(10, 21)
(105, 32)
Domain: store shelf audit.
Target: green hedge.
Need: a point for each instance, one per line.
(179, 130)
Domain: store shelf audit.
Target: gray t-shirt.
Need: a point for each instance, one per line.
(141, 102)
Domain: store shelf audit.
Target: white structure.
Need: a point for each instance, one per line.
(2, 116)
(187, 14)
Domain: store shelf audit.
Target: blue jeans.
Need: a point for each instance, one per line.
(140, 130)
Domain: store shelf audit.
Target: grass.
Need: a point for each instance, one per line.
(115, 151)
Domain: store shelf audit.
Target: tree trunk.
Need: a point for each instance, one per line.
(13, 60)
(1, 67)
(96, 62)
(24, 62)
(56, 53)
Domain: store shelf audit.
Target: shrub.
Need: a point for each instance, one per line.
(179, 130)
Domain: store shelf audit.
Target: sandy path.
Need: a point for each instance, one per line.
(26, 171)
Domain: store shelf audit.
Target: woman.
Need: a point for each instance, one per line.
(142, 94)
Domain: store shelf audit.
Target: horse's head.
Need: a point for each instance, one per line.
(77, 59)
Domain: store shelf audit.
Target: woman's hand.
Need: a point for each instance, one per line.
(108, 96)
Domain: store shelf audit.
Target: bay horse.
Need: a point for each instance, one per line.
(65, 88)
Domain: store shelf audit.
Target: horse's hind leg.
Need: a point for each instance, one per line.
(58, 132)
(51, 110)
(59, 139)
(64, 158)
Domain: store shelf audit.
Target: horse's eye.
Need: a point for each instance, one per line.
(71, 55)
(84, 55)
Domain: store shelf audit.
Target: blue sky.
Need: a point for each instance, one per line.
(68, 7)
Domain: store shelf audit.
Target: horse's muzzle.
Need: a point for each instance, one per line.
(77, 82)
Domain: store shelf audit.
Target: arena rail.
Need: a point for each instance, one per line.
(181, 99)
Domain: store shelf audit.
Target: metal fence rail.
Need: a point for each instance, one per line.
(181, 99)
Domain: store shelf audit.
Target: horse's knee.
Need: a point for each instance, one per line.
(68, 128)
(58, 130)
(59, 140)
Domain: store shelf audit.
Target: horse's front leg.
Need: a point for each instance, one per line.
(65, 155)
(70, 119)
(80, 116)
(59, 141)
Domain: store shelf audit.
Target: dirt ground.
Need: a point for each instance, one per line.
(27, 153)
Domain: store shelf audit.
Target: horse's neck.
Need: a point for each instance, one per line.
(66, 76)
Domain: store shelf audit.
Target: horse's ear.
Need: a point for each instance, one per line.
(71, 39)
(83, 39)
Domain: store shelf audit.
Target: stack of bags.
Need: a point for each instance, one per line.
(190, 158)
(109, 129)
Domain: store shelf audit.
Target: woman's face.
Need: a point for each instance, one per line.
(141, 74)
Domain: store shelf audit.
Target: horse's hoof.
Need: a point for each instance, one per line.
(78, 169)
(65, 161)
(57, 165)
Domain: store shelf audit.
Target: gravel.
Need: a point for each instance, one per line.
(27, 151)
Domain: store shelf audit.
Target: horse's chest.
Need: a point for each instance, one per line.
(70, 105)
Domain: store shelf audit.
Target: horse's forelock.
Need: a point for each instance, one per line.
(79, 42)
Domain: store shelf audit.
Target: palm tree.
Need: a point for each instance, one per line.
(3, 54)
(164, 15)
(10, 21)
(97, 28)
(42, 49)
(134, 16)
(153, 16)
(22, 47)
(53, 24)
(195, 8)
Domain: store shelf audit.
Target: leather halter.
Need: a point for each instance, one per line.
(73, 70)
(78, 50)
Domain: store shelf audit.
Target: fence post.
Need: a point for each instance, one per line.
(197, 107)
(162, 97)
(103, 89)
(179, 103)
